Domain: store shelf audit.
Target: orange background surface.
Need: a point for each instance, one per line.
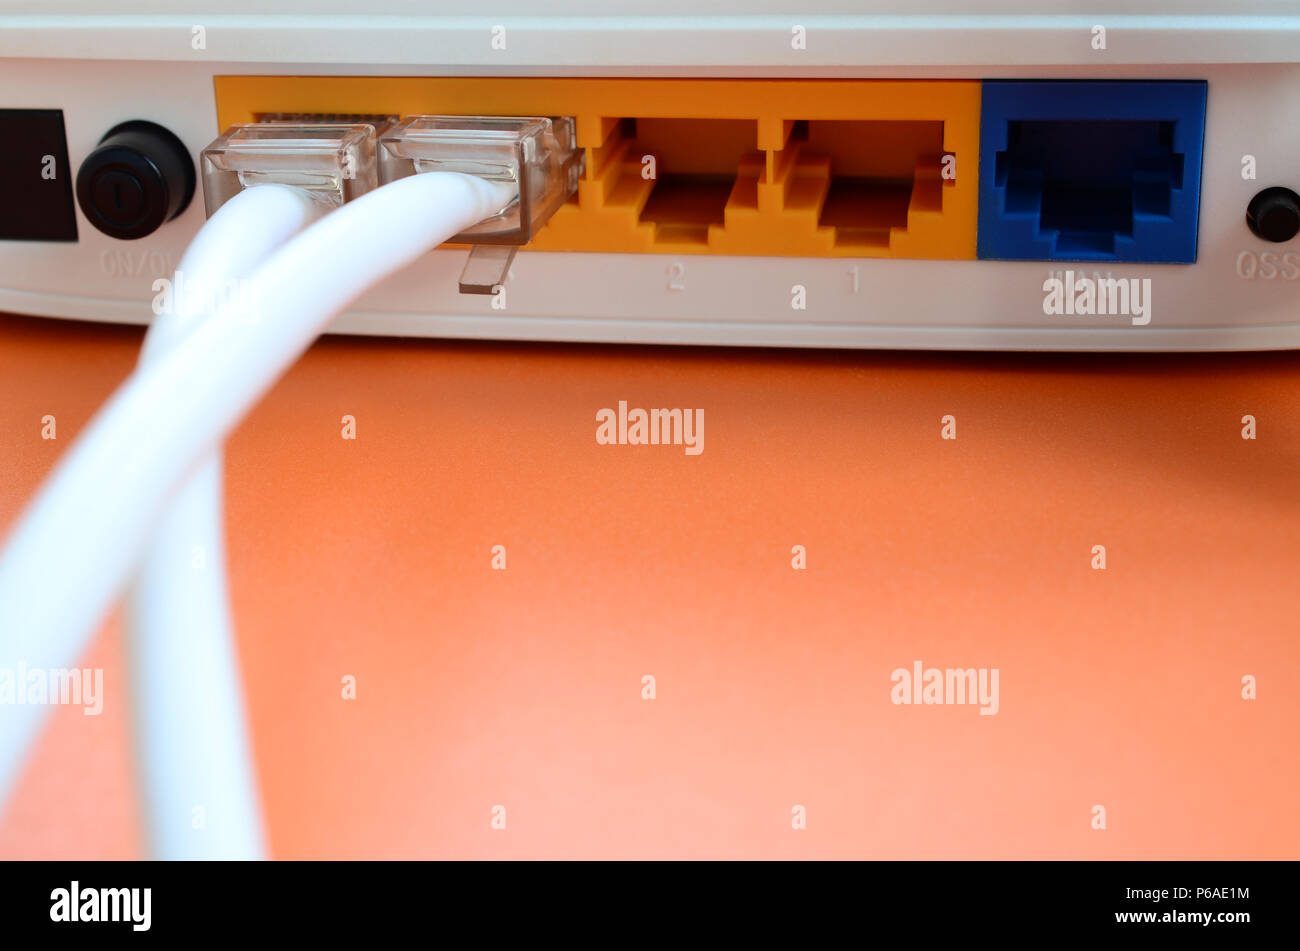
(522, 687)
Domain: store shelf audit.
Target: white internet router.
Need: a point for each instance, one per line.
(898, 174)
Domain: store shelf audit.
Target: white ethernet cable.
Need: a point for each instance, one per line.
(75, 545)
(187, 711)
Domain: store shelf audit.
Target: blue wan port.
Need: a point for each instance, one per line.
(1074, 170)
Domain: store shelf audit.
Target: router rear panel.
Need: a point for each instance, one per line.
(957, 205)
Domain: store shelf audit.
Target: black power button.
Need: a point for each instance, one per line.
(138, 177)
(1274, 214)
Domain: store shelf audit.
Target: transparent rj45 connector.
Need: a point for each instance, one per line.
(335, 161)
(541, 155)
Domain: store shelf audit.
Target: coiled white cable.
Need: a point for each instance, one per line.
(75, 545)
(196, 776)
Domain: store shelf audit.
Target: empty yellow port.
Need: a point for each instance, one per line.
(824, 168)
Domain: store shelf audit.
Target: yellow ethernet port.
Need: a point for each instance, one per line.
(681, 175)
(812, 168)
(865, 194)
